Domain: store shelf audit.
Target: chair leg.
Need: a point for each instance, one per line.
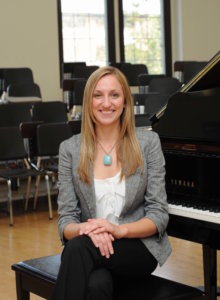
(37, 184)
(49, 197)
(10, 203)
(27, 193)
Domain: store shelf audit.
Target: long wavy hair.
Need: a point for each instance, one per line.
(128, 149)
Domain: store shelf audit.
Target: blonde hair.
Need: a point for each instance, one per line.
(128, 150)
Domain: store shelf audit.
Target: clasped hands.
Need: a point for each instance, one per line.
(102, 233)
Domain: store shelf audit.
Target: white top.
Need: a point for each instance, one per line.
(110, 198)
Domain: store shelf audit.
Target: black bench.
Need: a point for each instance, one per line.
(39, 275)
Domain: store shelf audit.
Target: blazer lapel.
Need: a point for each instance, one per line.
(131, 188)
(88, 193)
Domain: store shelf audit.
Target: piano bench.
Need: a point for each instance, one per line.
(38, 276)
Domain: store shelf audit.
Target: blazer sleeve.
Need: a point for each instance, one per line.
(68, 205)
(156, 206)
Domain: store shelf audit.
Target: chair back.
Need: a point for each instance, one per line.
(12, 145)
(79, 91)
(132, 71)
(49, 137)
(29, 89)
(165, 86)
(50, 112)
(69, 68)
(84, 71)
(142, 121)
(17, 75)
(153, 102)
(14, 114)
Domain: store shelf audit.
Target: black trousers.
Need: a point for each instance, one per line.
(86, 275)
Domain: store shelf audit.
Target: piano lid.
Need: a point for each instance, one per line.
(191, 116)
(207, 78)
(205, 81)
(193, 113)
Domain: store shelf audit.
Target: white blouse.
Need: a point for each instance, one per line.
(110, 197)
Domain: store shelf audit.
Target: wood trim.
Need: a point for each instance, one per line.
(60, 40)
(167, 37)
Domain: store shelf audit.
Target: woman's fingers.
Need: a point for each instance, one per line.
(103, 241)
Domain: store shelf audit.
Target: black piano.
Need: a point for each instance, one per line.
(189, 129)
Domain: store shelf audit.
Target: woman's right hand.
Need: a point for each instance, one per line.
(102, 240)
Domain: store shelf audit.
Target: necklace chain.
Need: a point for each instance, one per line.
(106, 152)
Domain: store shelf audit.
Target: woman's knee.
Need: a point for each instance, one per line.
(100, 285)
(76, 244)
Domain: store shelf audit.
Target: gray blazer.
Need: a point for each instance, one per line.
(145, 194)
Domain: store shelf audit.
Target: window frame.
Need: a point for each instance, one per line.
(167, 35)
(111, 53)
(111, 43)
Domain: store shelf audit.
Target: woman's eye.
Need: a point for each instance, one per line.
(115, 95)
(97, 96)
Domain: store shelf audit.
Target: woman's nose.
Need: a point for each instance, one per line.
(107, 101)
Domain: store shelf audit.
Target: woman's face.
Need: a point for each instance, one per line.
(108, 101)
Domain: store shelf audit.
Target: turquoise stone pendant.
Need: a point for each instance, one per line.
(107, 160)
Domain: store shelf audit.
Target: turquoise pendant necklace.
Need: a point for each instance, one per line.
(107, 156)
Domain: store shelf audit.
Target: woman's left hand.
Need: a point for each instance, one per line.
(101, 225)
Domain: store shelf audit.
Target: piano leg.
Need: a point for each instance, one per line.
(210, 271)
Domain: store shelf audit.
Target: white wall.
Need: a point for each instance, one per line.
(29, 38)
(195, 29)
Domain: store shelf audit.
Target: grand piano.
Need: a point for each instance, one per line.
(189, 129)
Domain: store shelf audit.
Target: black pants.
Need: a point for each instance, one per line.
(86, 275)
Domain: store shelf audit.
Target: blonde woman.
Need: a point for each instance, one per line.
(112, 203)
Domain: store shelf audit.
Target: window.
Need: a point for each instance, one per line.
(143, 33)
(84, 31)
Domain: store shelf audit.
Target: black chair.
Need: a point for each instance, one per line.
(165, 86)
(142, 120)
(50, 112)
(73, 90)
(24, 92)
(69, 68)
(84, 71)
(14, 113)
(68, 86)
(15, 165)
(187, 69)
(17, 75)
(79, 91)
(48, 139)
(75, 126)
(153, 103)
(132, 71)
(144, 79)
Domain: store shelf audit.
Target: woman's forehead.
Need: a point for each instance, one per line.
(110, 81)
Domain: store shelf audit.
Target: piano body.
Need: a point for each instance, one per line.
(189, 130)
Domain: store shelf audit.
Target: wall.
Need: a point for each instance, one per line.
(195, 29)
(29, 38)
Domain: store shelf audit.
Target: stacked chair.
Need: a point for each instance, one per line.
(132, 71)
(187, 69)
(16, 164)
(49, 136)
(30, 138)
(19, 86)
(154, 93)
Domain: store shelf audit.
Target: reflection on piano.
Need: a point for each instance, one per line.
(190, 137)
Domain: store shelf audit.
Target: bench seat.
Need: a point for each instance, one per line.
(39, 275)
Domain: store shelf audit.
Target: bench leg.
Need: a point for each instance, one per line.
(21, 293)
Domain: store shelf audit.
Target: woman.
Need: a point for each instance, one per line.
(112, 201)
